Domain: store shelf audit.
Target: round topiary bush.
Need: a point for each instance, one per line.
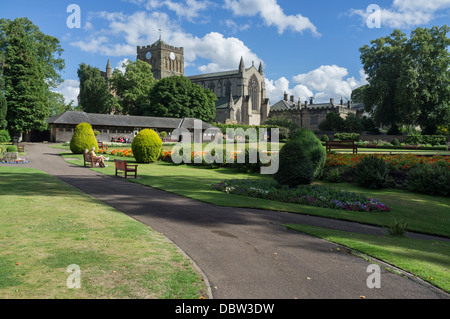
(324, 138)
(301, 159)
(83, 138)
(146, 146)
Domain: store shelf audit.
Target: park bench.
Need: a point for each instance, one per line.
(126, 168)
(102, 146)
(88, 160)
(21, 148)
(329, 145)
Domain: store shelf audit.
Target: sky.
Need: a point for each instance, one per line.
(307, 48)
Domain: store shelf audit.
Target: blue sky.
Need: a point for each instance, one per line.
(308, 48)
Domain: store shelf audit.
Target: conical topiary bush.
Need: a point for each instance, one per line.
(146, 146)
(83, 138)
(301, 159)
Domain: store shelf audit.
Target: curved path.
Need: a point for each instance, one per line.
(244, 253)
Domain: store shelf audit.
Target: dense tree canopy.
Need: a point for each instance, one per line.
(3, 111)
(95, 93)
(30, 63)
(409, 79)
(133, 87)
(178, 97)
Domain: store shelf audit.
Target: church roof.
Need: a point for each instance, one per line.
(212, 75)
(76, 117)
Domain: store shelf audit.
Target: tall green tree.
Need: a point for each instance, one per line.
(387, 66)
(432, 81)
(133, 87)
(177, 96)
(31, 62)
(95, 93)
(3, 111)
(408, 79)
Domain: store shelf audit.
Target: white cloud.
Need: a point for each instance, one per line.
(189, 9)
(70, 90)
(407, 13)
(323, 83)
(122, 64)
(124, 33)
(272, 14)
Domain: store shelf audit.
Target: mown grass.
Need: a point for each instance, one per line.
(428, 260)
(47, 225)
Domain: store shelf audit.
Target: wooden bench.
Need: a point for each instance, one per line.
(88, 160)
(341, 145)
(126, 168)
(102, 146)
(21, 148)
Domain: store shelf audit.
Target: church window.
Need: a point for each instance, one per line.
(212, 87)
(228, 89)
(253, 91)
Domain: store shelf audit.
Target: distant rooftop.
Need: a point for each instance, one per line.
(76, 117)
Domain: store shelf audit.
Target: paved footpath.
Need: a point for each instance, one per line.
(244, 253)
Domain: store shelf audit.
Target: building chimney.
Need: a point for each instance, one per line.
(299, 104)
(285, 96)
(292, 98)
(311, 100)
(342, 100)
(332, 101)
(349, 104)
(306, 104)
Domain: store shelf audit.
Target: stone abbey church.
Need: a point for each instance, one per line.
(241, 93)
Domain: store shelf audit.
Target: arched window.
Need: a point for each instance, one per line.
(253, 91)
(212, 87)
(228, 88)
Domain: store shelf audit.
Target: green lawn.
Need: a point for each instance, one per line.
(47, 225)
(429, 260)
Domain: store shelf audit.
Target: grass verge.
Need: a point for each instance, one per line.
(47, 225)
(428, 260)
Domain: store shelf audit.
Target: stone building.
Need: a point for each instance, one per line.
(241, 94)
(166, 60)
(110, 127)
(309, 115)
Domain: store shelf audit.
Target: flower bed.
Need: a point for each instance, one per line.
(311, 195)
(396, 162)
(121, 153)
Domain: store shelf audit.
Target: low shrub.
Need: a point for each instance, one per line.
(347, 136)
(4, 137)
(430, 179)
(372, 172)
(324, 138)
(11, 149)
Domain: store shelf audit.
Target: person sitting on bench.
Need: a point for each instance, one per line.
(98, 159)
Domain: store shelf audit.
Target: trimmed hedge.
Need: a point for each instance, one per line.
(146, 146)
(83, 139)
